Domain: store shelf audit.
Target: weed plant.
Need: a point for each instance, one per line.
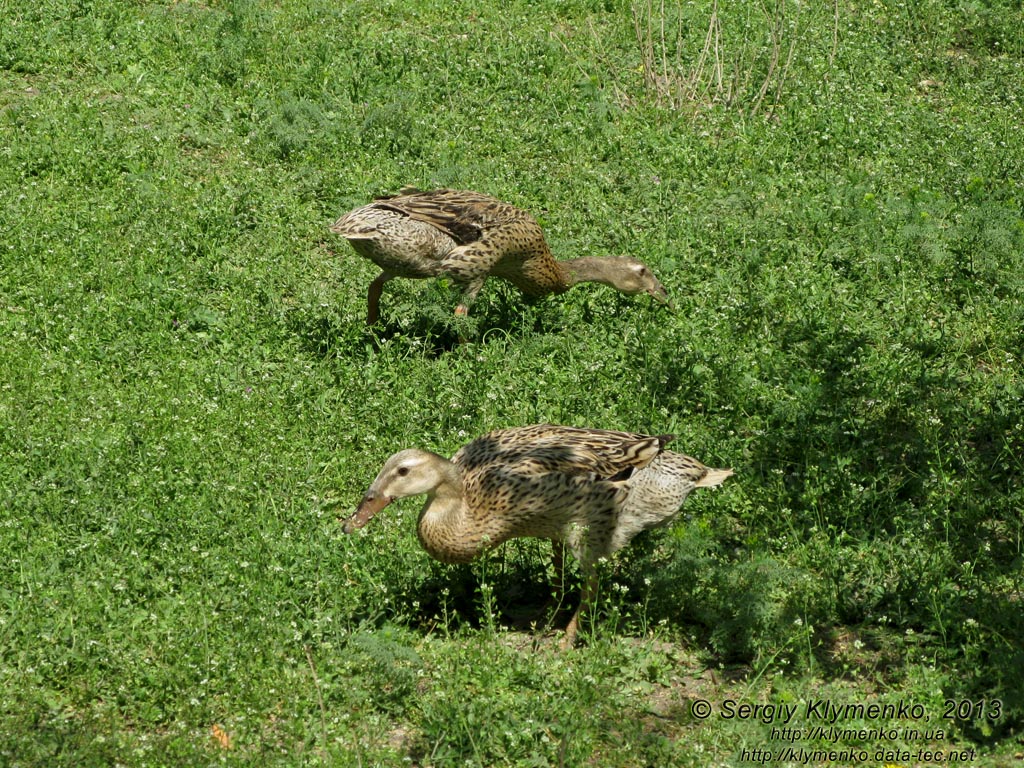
(189, 398)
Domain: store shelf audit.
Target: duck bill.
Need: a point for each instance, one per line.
(371, 504)
(661, 296)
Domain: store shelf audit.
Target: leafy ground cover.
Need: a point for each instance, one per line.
(189, 398)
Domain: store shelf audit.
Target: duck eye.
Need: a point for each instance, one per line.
(403, 471)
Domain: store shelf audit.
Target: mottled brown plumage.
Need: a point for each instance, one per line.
(468, 237)
(588, 489)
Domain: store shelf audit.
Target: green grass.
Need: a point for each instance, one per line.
(189, 399)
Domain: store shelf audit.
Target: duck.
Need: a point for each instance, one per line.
(590, 491)
(468, 236)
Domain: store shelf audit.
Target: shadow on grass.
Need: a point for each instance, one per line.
(427, 324)
(990, 629)
(521, 597)
(898, 475)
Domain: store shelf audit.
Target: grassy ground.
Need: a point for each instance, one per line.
(189, 398)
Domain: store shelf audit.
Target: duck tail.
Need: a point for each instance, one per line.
(714, 477)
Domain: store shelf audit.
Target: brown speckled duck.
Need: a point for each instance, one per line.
(591, 490)
(468, 237)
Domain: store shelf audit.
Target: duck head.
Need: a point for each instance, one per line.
(634, 277)
(407, 473)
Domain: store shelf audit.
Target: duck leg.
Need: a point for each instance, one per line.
(587, 596)
(560, 581)
(373, 297)
(558, 564)
(469, 293)
(468, 267)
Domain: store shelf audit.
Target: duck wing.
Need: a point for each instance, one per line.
(549, 448)
(462, 215)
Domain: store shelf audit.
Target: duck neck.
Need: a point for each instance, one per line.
(444, 528)
(588, 269)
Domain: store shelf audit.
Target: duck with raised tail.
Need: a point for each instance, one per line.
(590, 490)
